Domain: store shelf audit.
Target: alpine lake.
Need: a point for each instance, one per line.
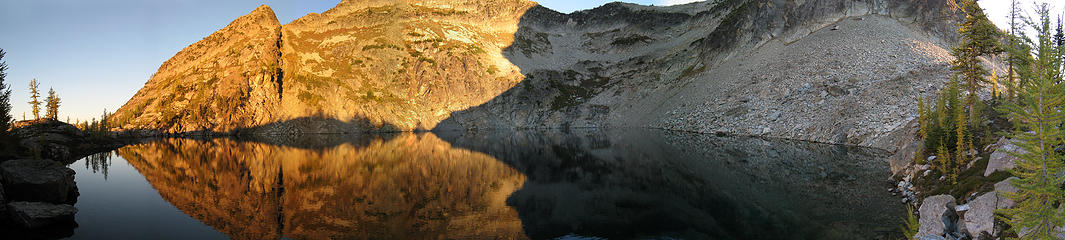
(576, 184)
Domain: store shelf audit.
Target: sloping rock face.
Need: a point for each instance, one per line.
(229, 80)
(772, 68)
(407, 64)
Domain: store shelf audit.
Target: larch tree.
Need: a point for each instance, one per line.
(1037, 117)
(52, 105)
(979, 37)
(1014, 52)
(35, 104)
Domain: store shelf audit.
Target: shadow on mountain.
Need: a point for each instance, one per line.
(632, 183)
(559, 96)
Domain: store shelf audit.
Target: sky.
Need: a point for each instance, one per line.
(97, 54)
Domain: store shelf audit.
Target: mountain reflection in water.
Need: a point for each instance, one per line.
(515, 185)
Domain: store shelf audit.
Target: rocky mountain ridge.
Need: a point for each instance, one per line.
(830, 71)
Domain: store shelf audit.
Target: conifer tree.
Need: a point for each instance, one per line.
(5, 100)
(943, 158)
(911, 224)
(35, 105)
(963, 144)
(52, 105)
(979, 38)
(1039, 199)
(1013, 49)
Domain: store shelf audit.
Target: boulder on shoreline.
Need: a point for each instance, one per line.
(38, 181)
(981, 215)
(1001, 159)
(938, 218)
(39, 214)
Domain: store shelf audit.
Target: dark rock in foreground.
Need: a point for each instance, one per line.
(38, 181)
(39, 214)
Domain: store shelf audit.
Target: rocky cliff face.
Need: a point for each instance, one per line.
(230, 79)
(830, 71)
(363, 65)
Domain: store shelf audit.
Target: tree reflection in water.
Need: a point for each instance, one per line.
(99, 162)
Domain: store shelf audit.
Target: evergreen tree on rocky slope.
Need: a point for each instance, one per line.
(1015, 53)
(52, 104)
(35, 104)
(5, 100)
(979, 38)
(1039, 209)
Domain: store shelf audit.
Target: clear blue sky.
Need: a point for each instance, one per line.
(97, 54)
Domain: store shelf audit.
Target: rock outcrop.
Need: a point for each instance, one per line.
(937, 217)
(1002, 158)
(39, 214)
(38, 181)
(56, 140)
(827, 71)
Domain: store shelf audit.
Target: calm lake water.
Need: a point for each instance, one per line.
(619, 184)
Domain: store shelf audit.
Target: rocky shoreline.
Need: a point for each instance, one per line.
(37, 190)
(957, 213)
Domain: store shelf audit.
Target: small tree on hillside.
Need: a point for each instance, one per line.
(52, 104)
(979, 37)
(1015, 50)
(1038, 115)
(35, 104)
(5, 100)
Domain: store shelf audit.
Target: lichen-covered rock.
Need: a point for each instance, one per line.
(1001, 159)
(40, 214)
(1005, 187)
(981, 215)
(937, 216)
(38, 181)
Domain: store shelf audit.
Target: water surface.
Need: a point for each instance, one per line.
(498, 185)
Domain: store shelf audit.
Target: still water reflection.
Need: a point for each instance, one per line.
(495, 185)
